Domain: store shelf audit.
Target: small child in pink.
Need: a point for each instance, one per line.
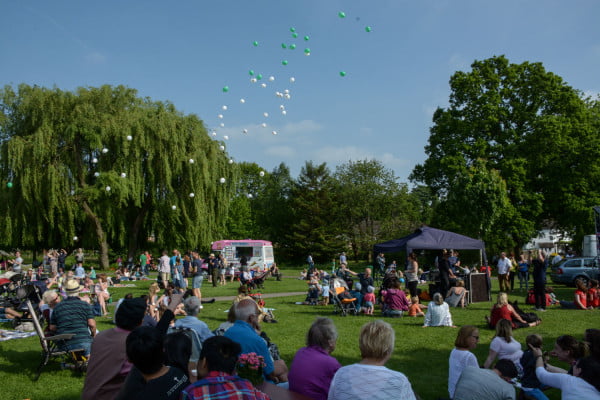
(369, 301)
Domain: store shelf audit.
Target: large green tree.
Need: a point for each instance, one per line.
(108, 167)
(531, 127)
(372, 205)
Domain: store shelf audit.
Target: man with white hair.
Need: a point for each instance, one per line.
(192, 307)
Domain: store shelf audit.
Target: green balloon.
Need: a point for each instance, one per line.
(284, 62)
(255, 43)
(342, 73)
(294, 35)
(307, 50)
(342, 14)
(292, 46)
(259, 77)
(306, 38)
(251, 72)
(292, 29)
(283, 46)
(9, 185)
(368, 28)
(225, 89)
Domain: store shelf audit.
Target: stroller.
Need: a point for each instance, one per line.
(343, 302)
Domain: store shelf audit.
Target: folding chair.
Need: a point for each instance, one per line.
(51, 346)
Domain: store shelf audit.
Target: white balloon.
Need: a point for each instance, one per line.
(281, 107)
(253, 80)
(226, 137)
(230, 161)
(284, 112)
(292, 79)
(108, 188)
(192, 194)
(220, 116)
(222, 125)
(72, 193)
(96, 174)
(261, 173)
(307, 54)
(274, 132)
(213, 133)
(264, 124)
(286, 91)
(94, 160)
(105, 150)
(250, 195)
(129, 137)
(266, 114)
(75, 238)
(222, 148)
(123, 175)
(244, 130)
(263, 85)
(242, 101)
(224, 108)
(287, 96)
(222, 180)
(271, 78)
(173, 207)
(191, 160)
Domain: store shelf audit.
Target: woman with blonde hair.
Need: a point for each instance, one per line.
(504, 346)
(461, 356)
(101, 291)
(503, 310)
(369, 378)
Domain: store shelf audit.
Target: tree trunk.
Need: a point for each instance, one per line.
(134, 231)
(101, 235)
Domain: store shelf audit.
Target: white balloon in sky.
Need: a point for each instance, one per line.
(222, 125)
(108, 188)
(96, 174)
(264, 124)
(263, 85)
(274, 132)
(94, 160)
(173, 207)
(222, 148)
(292, 79)
(224, 108)
(286, 91)
(129, 137)
(75, 238)
(281, 107)
(242, 101)
(123, 175)
(266, 114)
(271, 78)
(287, 96)
(220, 116)
(192, 194)
(253, 80)
(213, 133)
(261, 173)
(244, 130)
(226, 137)
(284, 112)
(222, 180)
(230, 161)
(250, 195)
(105, 150)
(191, 160)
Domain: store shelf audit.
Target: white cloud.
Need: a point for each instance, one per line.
(304, 126)
(95, 58)
(339, 155)
(280, 151)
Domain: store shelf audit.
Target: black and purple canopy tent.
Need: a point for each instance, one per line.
(426, 238)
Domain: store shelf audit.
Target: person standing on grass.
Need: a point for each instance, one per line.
(411, 274)
(164, 268)
(539, 281)
(504, 265)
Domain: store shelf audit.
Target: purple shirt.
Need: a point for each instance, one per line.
(395, 299)
(311, 372)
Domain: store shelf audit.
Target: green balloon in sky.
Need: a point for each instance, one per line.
(283, 46)
(292, 46)
(259, 77)
(284, 62)
(342, 73)
(255, 43)
(306, 38)
(9, 185)
(307, 50)
(368, 28)
(342, 14)
(292, 29)
(225, 89)
(294, 35)
(251, 72)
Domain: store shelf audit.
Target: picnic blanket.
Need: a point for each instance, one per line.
(6, 334)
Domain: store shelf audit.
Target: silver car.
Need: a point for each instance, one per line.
(569, 270)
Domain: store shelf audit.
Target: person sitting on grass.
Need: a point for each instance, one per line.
(438, 313)
(530, 384)
(503, 310)
(416, 309)
(461, 356)
(477, 383)
(580, 300)
(216, 374)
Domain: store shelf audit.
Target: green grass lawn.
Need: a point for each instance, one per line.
(420, 353)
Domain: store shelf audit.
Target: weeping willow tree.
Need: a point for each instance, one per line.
(104, 167)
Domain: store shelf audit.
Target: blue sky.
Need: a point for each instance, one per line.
(396, 75)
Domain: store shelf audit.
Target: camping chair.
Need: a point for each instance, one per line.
(342, 304)
(51, 346)
(196, 342)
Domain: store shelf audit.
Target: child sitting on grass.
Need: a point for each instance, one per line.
(530, 384)
(416, 309)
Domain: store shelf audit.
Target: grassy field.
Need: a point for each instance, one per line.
(420, 353)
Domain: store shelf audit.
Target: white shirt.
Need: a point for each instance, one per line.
(372, 382)
(504, 265)
(164, 264)
(459, 359)
(510, 351)
(438, 315)
(572, 387)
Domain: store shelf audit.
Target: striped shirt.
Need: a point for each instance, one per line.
(221, 386)
(71, 316)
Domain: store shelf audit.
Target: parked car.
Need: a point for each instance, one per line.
(570, 269)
